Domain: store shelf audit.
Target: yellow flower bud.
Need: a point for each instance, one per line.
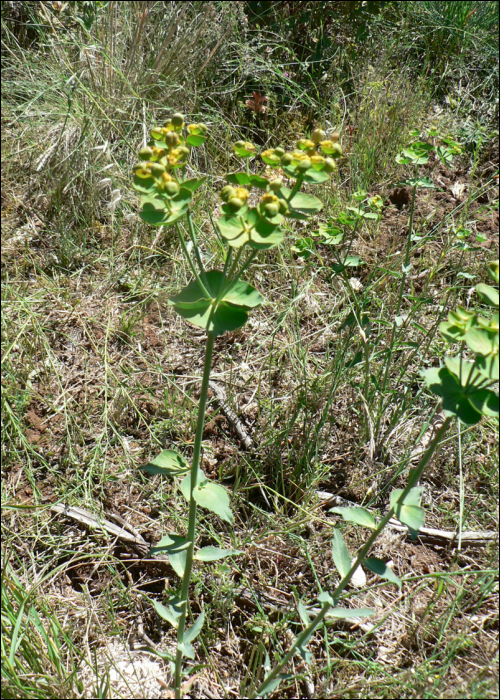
(271, 210)
(235, 204)
(330, 165)
(242, 193)
(172, 188)
(227, 193)
(318, 162)
(318, 135)
(172, 139)
(156, 169)
(269, 198)
(276, 184)
(145, 153)
(177, 120)
(143, 173)
(301, 143)
(303, 165)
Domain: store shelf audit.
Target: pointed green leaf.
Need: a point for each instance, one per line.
(425, 182)
(412, 498)
(340, 553)
(144, 185)
(195, 140)
(316, 177)
(250, 228)
(350, 261)
(187, 649)
(304, 615)
(175, 547)
(380, 568)
(162, 654)
(489, 295)
(214, 498)
(443, 382)
(260, 182)
(169, 463)
(214, 553)
(178, 562)
(362, 214)
(306, 204)
(171, 613)
(185, 484)
(161, 217)
(243, 295)
(325, 597)
(356, 515)
(486, 402)
(231, 313)
(240, 179)
(409, 512)
(488, 367)
(194, 184)
(268, 686)
(346, 613)
(170, 544)
(450, 332)
(481, 340)
(191, 633)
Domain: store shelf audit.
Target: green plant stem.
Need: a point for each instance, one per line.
(402, 286)
(192, 510)
(190, 261)
(295, 188)
(192, 234)
(229, 275)
(227, 261)
(304, 636)
(461, 486)
(248, 262)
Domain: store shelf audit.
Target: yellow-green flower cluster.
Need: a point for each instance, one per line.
(306, 154)
(169, 150)
(234, 197)
(270, 206)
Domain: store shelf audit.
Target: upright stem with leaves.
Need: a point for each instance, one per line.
(216, 301)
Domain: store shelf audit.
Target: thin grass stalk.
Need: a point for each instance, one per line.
(403, 281)
(166, 43)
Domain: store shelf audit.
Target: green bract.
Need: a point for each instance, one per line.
(165, 210)
(204, 311)
(302, 206)
(243, 149)
(465, 385)
(251, 228)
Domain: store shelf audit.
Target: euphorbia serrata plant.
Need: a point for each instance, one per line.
(218, 300)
